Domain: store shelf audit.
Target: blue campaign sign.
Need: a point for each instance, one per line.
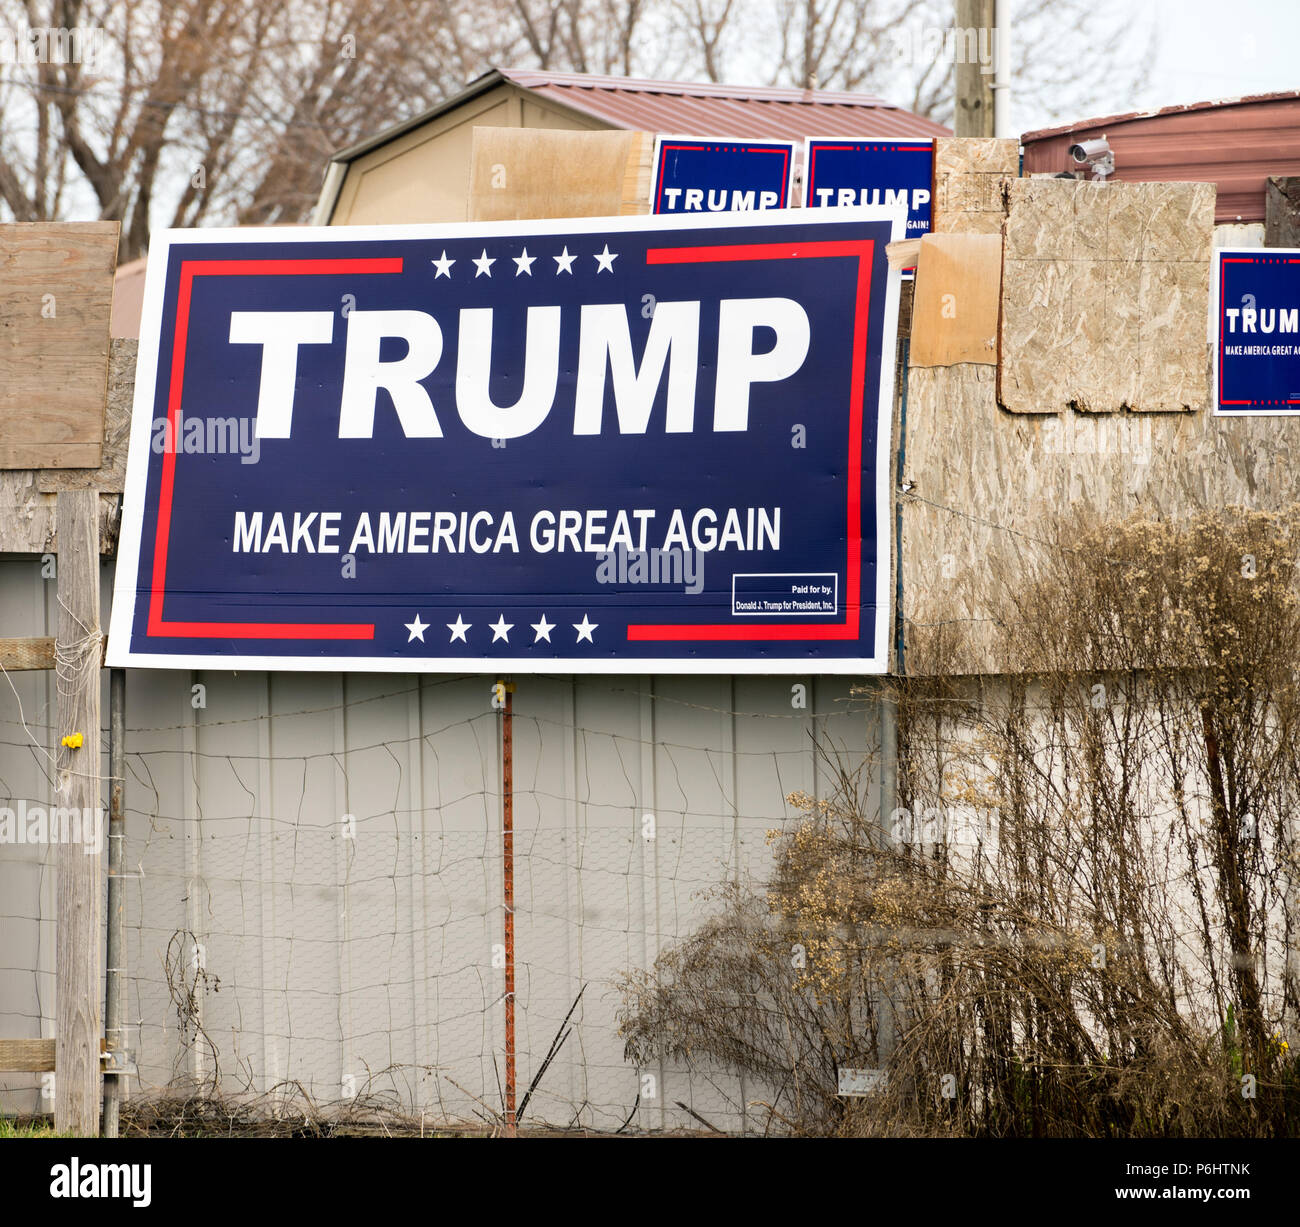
(872, 171)
(1255, 327)
(606, 445)
(695, 175)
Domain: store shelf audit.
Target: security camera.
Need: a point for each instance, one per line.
(1096, 154)
(1090, 151)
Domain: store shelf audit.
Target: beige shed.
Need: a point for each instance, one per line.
(418, 171)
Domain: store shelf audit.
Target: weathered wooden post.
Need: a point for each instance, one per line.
(58, 452)
(79, 926)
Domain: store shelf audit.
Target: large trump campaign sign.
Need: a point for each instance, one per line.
(606, 445)
(1255, 328)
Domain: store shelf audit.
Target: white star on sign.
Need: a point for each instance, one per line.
(584, 629)
(443, 265)
(524, 263)
(501, 628)
(564, 262)
(543, 629)
(458, 629)
(483, 264)
(417, 629)
(605, 260)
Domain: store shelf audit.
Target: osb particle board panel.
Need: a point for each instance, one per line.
(971, 175)
(1105, 294)
(56, 296)
(988, 485)
(956, 314)
(533, 172)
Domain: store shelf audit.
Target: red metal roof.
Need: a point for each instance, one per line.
(682, 109)
(1235, 144)
(723, 110)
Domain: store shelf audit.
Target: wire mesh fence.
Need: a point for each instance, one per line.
(313, 900)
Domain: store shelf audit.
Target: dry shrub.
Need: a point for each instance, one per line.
(1080, 919)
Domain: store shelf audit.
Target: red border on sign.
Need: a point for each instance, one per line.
(667, 145)
(234, 630)
(862, 249)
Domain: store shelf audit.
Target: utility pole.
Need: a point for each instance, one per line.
(974, 44)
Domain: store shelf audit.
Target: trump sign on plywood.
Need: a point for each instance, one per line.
(608, 445)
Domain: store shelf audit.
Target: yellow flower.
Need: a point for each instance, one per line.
(74, 741)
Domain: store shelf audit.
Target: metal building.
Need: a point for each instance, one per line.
(1235, 144)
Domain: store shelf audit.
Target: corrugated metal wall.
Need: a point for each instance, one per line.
(359, 955)
(1235, 145)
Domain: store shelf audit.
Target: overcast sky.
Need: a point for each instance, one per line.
(1224, 49)
(1213, 49)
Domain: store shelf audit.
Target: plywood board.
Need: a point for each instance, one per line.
(1105, 294)
(27, 517)
(541, 172)
(36, 652)
(26, 1056)
(110, 476)
(903, 253)
(956, 314)
(30, 1056)
(971, 176)
(1281, 212)
(638, 175)
(27, 497)
(56, 297)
